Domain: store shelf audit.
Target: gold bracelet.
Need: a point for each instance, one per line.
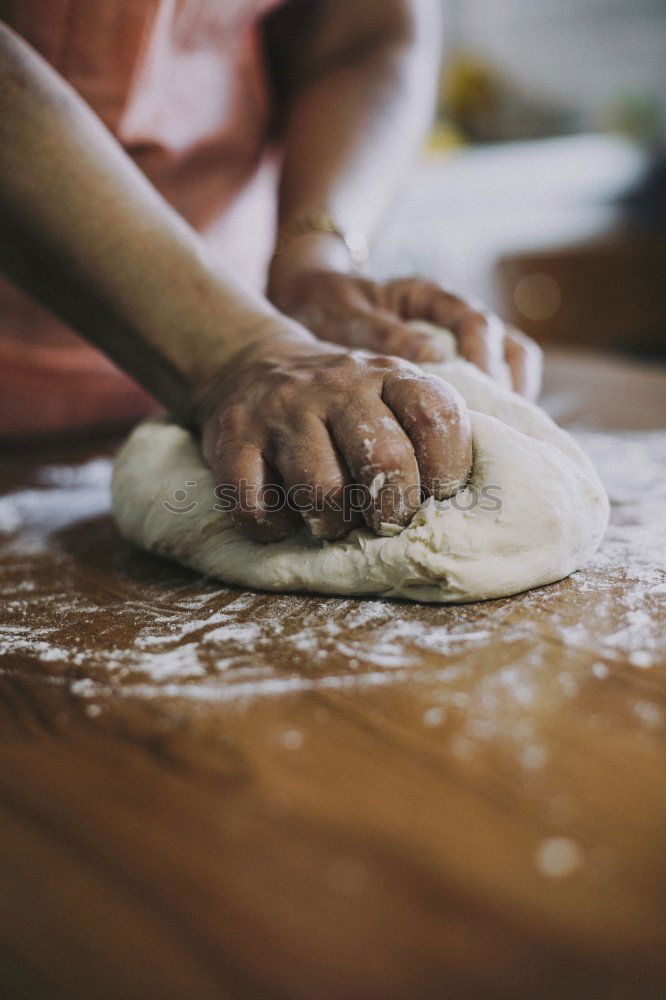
(322, 222)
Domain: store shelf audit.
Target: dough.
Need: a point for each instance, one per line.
(533, 511)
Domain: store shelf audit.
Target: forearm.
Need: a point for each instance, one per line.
(358, 120)
(84, 232)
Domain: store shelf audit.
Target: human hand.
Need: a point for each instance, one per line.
(360, 313)
(312, 420)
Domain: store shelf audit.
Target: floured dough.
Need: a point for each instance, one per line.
(533, 511)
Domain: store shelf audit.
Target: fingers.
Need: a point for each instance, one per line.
(366, 314)
(481, 341)
(525, 360)
(380, 457)
(387, 335)
(251, 492)
(436, 420)
(290, 436)
(399, 435)
(316, 480)
(480, 335)
(375, 330)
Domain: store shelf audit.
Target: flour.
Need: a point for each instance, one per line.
(596, 623)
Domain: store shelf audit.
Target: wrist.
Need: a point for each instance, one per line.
(323, 223)
(294, 259)
(271, 339)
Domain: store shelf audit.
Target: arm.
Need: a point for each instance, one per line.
(360, 93)
(83, 231)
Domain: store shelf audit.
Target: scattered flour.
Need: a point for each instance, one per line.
(558, 857)
(166, 633)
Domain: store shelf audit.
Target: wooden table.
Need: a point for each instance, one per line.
(211, 793)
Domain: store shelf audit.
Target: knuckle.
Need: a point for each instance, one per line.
(399, 343)
(372, 289)
(219, 456)
(383, 339)
(430, 290)
(472, 330)
(411, 344)
(477, 321)
(400, 372)
(483, 323)
(230, 422)
(431, 398)
(396, 286)
(444, 415)
(330, 486)
(449, 305)
(446, 400)
(315, 493)
(384, 361)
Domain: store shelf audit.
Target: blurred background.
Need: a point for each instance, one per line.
(542, 190)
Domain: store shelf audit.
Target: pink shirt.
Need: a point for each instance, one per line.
(182, 85)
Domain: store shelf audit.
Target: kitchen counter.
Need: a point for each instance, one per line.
(206, 792)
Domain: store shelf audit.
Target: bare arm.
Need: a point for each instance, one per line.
(84, 232)
(361, 93)
(360, 96)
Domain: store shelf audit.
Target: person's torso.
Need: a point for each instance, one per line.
(182, 85)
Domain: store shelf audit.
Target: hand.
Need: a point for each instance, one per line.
(357, 312)
(312, 420)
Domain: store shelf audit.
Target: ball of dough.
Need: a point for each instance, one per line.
(533, 511)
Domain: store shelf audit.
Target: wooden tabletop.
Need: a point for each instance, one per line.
(206, 792)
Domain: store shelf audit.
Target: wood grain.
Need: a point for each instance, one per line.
(211, 793)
